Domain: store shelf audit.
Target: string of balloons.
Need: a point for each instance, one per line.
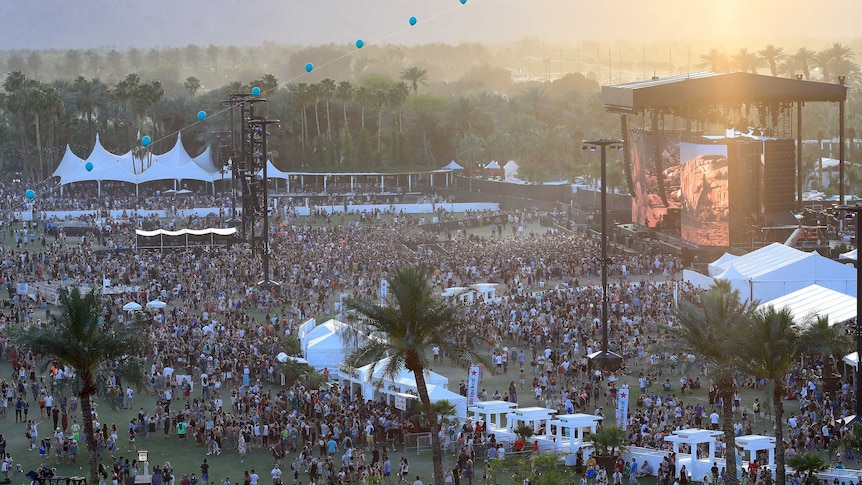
(202, 116)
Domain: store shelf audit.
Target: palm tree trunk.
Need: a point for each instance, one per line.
(725, 390)
(317, 119)
(39, 147)
(436, 446)
(379, 121)
(778, 429)
(328, 124)
(88, 386)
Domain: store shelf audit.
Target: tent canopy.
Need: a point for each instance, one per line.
(453, 165)
(493, 165)
(776, 270)
(719, 265)
(816, 300)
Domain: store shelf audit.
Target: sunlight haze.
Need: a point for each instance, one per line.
(47, 24)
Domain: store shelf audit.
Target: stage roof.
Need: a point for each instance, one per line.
(675, 93)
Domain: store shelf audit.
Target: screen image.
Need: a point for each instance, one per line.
(704, 196)
(656, 185)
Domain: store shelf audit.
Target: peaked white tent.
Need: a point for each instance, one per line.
(493, 165)
(776, 270)
(816, 301)
(69, 164)
(849, 255)
(325, 346)
(174, 158)
(510, 169)
(453, 165)
(719, 265)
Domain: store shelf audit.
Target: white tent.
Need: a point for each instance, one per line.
(453, 165)
(510, 169)
(776, 270)
(324, 345)
(371, 383)
(326, 351)
(493, 165)
(849, 255)
(69, 164)
(815, 300)
(175, 158)
(719, 265)
(852, 359)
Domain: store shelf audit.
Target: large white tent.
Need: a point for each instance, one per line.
(370, 383)
(816, 301)
(776, 270)
(175, 164)
(324, 346)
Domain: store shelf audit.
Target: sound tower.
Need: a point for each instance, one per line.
(779, 175)
(745, 176)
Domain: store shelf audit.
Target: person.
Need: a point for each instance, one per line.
(633, 472)
(403, 470)
(241, 448)
(205, 472)
(276, 475)
(591, 467)
(683, 476)
(418, 481)
(646, 469)
(253, 477)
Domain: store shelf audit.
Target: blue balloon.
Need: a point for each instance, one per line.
(360, 43)
(202, 115)
(463, 2)
(308, 67)
(30, 194)
(89, 166)
(146, 140)
(412, 20)
(255, 91)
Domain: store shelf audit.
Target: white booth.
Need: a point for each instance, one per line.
(536, 418)
(491, 413)
(754, 443)
(571, 429)
(694, 437)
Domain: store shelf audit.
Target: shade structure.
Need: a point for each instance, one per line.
(132, 307)
(157, 304)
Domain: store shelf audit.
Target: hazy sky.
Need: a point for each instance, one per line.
(34, 24)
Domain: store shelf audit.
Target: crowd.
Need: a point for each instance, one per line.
(212, 362)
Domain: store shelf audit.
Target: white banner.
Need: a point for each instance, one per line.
(400, 402)
(473, 385)
(384, 290)
(623, 408)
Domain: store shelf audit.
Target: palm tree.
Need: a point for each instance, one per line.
(344, 93)
(415, 76)
(769, 344)
(192, 85)
(851, 440)
(396, 96)
(823, 60)
(78, 337)
(327, 89)
(805, 57)
(714, 60)
(410, 322)
(808, 464)
(746, 61)
(772, 56)
(705, 330)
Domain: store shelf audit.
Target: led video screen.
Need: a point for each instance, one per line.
(656, 185)
(704, 194)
